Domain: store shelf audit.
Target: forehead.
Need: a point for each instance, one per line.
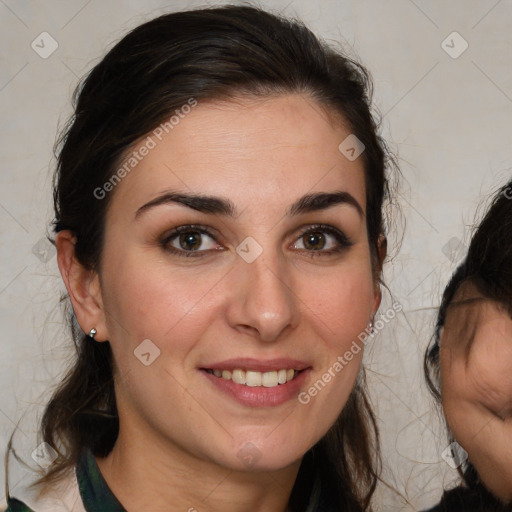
(249, 149)
(469, 314)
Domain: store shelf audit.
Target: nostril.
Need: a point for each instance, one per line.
(248, 329)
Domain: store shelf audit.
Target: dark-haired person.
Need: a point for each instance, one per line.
(468, 365)
(219, 228)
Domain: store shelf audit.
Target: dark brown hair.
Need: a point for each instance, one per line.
(206, 54)
(488, 266)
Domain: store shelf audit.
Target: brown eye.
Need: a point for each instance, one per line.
(190, 241)
(314, 240)
(322, 239)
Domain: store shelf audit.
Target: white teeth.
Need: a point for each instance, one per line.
(255, 379)
(269, 379)
(238, 377)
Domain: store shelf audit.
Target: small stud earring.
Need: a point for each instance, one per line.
(92, 333)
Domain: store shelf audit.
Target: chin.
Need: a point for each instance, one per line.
(260, 455)
(262, 464)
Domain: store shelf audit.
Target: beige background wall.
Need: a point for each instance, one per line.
(448, 117)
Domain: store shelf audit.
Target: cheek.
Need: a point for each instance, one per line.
(490, 363)
(149, 301)
(342, 301)
(338, 312)
(452, 392)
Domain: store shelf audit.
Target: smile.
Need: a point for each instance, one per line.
(256, 379)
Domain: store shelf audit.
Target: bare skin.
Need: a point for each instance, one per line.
(476, 354)
(180, 437)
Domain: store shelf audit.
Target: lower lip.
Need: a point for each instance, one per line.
(259, 396)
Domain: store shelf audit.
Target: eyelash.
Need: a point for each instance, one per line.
(194, 228)
(343, 241)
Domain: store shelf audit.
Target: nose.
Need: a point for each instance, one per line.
(263, 302)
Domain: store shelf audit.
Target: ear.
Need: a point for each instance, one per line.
(83, 287)
(382, 250)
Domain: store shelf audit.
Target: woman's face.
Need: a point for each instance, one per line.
(250, 286)
(476, 356)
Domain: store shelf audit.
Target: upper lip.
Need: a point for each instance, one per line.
(258, 365)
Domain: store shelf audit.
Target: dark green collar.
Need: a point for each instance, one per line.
(95, 493)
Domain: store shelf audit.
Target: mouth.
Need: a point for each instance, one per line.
(269, 379)
(257, 382)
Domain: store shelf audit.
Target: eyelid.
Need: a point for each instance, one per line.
(206, 230)
(166, 239)
(341, 238)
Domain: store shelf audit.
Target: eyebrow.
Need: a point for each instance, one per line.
(465, 302)
(218, 205)
(322, 201)
(205, 204)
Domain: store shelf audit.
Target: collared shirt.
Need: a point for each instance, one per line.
(89, 487)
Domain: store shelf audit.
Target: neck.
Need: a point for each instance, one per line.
(174, 477)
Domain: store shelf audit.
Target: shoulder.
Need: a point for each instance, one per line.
(62, 496)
